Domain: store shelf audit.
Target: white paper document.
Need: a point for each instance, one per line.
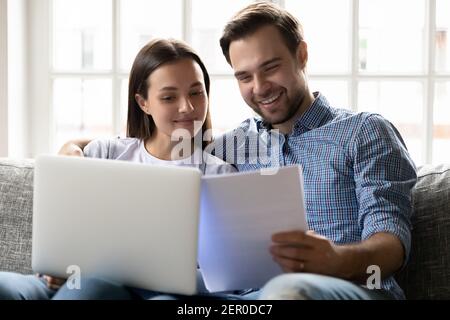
(239, 214)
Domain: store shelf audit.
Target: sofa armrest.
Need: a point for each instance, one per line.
(427, 276)
(16, 207)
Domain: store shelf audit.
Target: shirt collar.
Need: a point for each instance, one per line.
(313, 117)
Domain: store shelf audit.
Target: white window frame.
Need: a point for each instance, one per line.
(428, 78)
(41, 91)
(3, 79)
(115, 74)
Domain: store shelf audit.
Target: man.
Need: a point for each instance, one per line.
(358, 175)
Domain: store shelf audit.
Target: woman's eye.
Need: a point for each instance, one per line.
(197, 93)
(167, 98)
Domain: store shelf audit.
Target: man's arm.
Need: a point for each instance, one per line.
(74, 147)
(298, 251)
(384, 250)
(384, 176)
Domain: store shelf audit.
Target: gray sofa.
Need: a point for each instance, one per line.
(427, 275)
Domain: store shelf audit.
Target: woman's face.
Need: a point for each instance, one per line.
(176, 98)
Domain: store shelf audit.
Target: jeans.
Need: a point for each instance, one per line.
(307, 286)
(14, 286)
(298, 286)
(88, 284)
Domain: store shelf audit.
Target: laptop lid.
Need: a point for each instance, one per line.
(132, 223)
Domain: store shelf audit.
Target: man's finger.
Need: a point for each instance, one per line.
(291, 265)
(288, 236)
(292, 252)
(297, 238)
(313, 234)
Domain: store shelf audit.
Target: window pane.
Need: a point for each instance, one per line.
(441, 128)
(391, 37)
(401, 103)
(82, 34)
(227, 107)
(442, 35)
(142, 20)
(82, 108)
(208, 20)
(327, 33)
(336, 92)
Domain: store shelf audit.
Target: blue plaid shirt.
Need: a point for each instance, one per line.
(358, 174)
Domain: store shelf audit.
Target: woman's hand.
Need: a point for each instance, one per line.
(53, 282)
(71, 149)
(74, 148)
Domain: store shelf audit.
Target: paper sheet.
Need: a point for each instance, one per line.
(239, 214)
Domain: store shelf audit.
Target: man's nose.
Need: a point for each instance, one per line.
(260, 86)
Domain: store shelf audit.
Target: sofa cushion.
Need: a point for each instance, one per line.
(427, 276)
(16, 207)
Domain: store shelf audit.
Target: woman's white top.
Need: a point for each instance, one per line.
(133, 149)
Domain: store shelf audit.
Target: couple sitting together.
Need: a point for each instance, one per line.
(358, 174)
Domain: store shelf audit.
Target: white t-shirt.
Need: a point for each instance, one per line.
(133, 149)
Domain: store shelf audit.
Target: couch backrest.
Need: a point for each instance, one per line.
(427, 276)
(16, 207)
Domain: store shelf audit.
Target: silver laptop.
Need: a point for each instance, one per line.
(134, 224)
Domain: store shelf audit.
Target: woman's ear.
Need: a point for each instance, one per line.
(142, 103)
(302, 54)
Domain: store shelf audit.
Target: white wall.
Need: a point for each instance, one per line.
(3, 79)
(38, 105)
(14, 120)
(18, 134)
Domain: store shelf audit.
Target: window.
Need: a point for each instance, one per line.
(207, 21)
(95, 43)
(389, 57)
(82, 69)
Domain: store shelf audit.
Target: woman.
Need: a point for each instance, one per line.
(168, 114)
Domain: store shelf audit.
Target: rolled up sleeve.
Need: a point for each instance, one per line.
(384, 178)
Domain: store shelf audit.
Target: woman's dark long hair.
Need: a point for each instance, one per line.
(156, 53)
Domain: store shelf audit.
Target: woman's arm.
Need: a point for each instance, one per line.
(74, 147)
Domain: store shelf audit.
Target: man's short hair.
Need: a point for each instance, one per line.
(257, 15)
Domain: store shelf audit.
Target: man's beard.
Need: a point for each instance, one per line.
(290, 112)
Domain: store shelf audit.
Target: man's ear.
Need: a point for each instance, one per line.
(142, 103)
(302, 54)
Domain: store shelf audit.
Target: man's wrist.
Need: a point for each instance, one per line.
(352, 263)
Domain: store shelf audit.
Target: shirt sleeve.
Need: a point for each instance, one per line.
(384, 177)
(99, 148)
